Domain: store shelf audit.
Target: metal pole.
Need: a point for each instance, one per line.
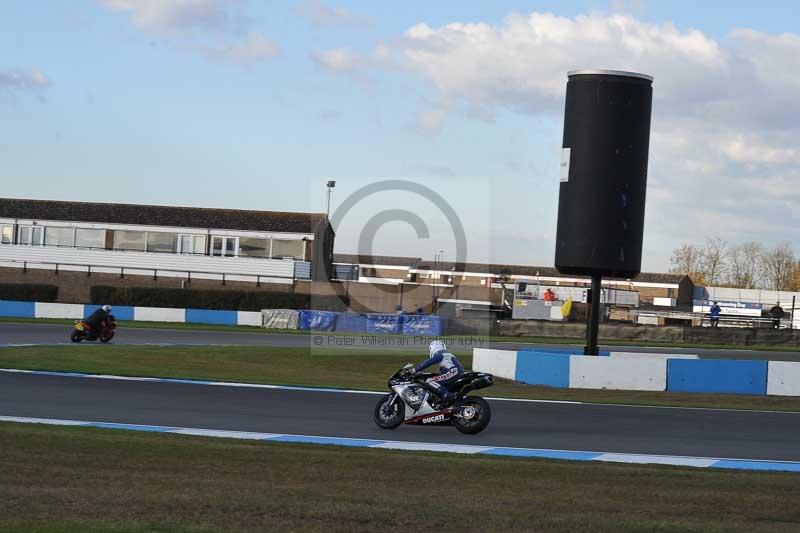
(791, 324)
(592, 320)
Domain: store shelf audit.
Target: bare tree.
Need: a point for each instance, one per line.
(744, 265)
(687, 259)
(713, 259)
(779, 267)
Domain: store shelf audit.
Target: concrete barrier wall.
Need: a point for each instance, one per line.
(159, 314)
(10, 308)
(717, 376)
(211, 316)
(249, 318)
(644, 355)
(500, 363)
(534, 368)
(51, 310)
(588, 372)
(783, 378)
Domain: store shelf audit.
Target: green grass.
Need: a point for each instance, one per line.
(325, 367)
(572, 341)
(66, 479)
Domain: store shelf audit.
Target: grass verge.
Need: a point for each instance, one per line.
(80, 479)
(545, 341)
(325, 367)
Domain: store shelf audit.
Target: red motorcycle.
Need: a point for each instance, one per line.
(84, 332)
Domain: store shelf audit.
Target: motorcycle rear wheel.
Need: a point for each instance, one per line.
(393, 418)
(481, 415)
(76, 336)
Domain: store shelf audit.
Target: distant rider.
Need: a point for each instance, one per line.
(450, 369)
(98, 318)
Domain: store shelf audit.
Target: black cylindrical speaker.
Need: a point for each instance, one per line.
(603, 173)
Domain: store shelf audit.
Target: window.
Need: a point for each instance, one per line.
(30, 235)
(223, 246)
(252, 247)
(192, 244)
(162, 242)
(287, 248)
(59, 236)
(90, 238)
(7, 234)
(130, 240)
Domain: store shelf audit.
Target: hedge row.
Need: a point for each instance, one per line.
(209, 299)
(28, 292)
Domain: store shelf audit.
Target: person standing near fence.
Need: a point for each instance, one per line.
(715, 311)
(776, 313)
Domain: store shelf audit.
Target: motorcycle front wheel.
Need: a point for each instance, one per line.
(389, 415)
(76, 336)
(107, 337)
(474, 415)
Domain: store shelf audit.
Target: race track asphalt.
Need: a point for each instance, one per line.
(584, 427)
(49, 334)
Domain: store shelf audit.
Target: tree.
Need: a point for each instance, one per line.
(687, 259)
(713, 259)
(779, 268)
(744, 265)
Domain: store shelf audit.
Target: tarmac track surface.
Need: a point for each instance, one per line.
(583, 427)
(49, 334)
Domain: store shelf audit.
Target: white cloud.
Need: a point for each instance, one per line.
(321, 15)
(430, 120)
(215, 28)
(724, 153)
(23, 79)
(254, 48)
(345, 62)
(171, 14)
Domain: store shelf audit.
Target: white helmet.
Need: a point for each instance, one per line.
(106, 308)
(436, 347)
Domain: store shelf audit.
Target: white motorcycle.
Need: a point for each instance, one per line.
(411, 402)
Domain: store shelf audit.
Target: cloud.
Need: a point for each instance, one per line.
(172, 14)
(215, 28)
(724, 153)
(254, 48)
(430, 121)
(345, 62)
(324, 16)
(23, 79)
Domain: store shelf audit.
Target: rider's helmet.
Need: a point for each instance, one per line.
(436, 347)
(107, 308)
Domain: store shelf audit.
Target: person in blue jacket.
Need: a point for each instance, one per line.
(715, 311)
(450, 369)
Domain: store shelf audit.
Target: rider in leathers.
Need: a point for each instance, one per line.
(450, 369)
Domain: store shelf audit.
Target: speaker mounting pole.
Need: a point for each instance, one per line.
(593, 318)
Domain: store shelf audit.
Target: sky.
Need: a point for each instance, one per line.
(257, 104)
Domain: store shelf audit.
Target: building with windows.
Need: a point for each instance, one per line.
(269, 246)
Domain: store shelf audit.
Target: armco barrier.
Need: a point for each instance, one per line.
(51, 310)
(589, 372)
(351, 323)
(717, 376)
(500, 363)
(158, 314)
(552, 370)
(783, 378)
(569, 350)
(11, 308)
(317, 320)
(426, 325)
(211, 316)
(384, 323)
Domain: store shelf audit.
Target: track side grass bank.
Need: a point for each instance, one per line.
(324, 367)
(79, 479)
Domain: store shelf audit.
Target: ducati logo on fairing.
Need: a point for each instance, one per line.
(437, 418)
